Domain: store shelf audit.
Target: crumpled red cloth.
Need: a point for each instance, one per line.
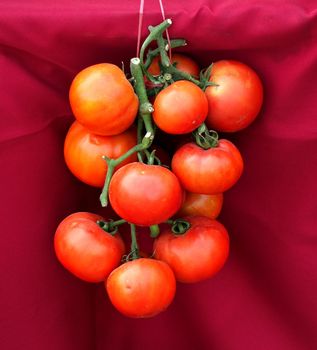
(265, 297)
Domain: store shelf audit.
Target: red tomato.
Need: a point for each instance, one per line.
(236, 100)
(197, 254)
(208, 205)
(103, 100)
(86, 250)
(209, 171)
(180, 108)
(183, 63)
(144, 194)
(141, 288)
(83, 151)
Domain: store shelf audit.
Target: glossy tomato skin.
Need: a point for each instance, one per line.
(103, 100)
(209, 171)
(196, 255)
(236, 100)
(86, 250)
(144, 194)
(83, 152)
(180, 108)
(141, 288)
(183, 63)
(197, 204)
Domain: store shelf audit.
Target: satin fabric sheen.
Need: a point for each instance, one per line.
(265, 297)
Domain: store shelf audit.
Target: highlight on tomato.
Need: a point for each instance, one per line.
(83, 152)
(236, 98)
(197, 254)
(85, 249)
(141, 288)
(103, 100)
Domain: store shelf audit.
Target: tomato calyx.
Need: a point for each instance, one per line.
(205, 138)
(152, 159)
(205, 75)
(110, 226)
(179, 226)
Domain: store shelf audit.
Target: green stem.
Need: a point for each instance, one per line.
(165, 61)
(180, 75)
(139, 136)
(171, 69)
(110, 226)
(145, 110)
(155, 231)
(112, 163)
(145, 107)
(153, 53)
(117, 222)
(134, 243)
(154, 33)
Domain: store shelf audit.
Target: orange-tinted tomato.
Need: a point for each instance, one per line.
(83, 151)
(237, 98)
(142, 287)
(183, 63)
(103, 100)
(180, 108)
(197, 254)
(196, 204)
(86, 250)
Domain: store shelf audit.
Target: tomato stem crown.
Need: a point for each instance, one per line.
(110, 226)
(205, 138)
(179, 226)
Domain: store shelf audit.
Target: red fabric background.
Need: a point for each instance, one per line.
(265, 297)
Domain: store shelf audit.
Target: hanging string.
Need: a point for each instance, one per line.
(167, 35)
(141, 10)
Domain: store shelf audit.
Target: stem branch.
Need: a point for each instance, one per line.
(134, 243)
(145, 110)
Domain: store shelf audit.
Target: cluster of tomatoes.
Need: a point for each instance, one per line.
(105, 148)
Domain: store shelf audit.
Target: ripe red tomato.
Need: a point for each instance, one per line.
(209, 171)
(144, 194)
(180, 108)
(103, 100)
(83, 151)
(197, 254)
(183, 63)
(86, 250)
(236, 100)
(208, 205)
(141, 288)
